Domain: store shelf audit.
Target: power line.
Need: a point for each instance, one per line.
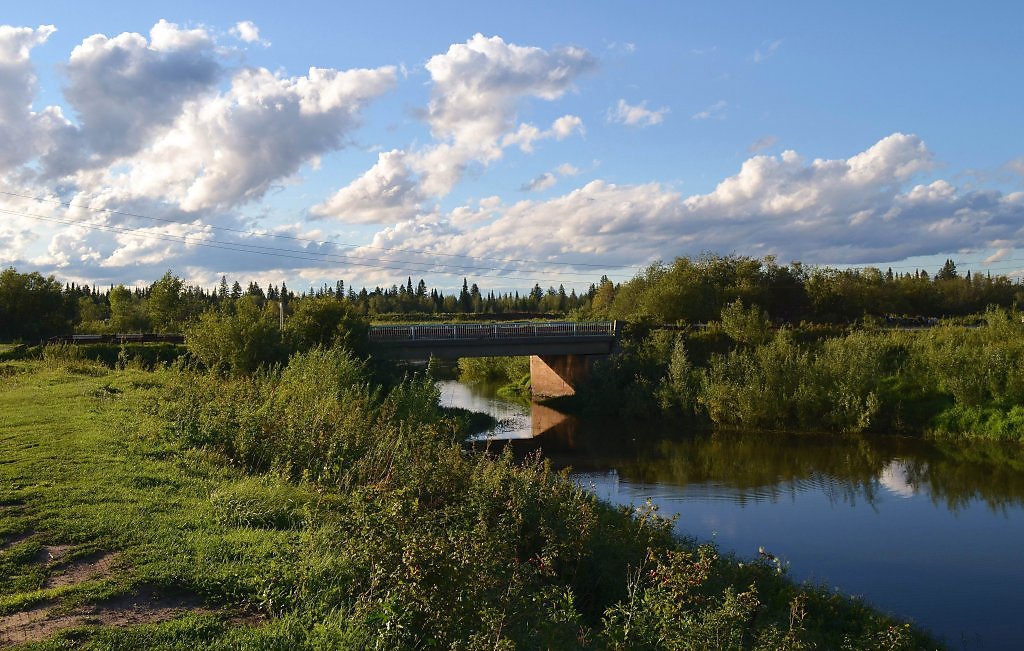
(289, 253)
(111, 211)
(981, 265)
(427, 267)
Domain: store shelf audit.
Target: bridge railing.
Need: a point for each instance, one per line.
(120, 338)
(456, 331)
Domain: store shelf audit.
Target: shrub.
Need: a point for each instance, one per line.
(745, 325)
(325, 321)
(236, 341)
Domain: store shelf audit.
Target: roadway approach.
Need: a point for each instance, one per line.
(562, 353)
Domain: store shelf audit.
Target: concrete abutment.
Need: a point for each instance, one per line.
(555, 376)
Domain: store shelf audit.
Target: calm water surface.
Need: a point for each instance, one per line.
(934, 533)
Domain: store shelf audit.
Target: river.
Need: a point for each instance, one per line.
(928, 532)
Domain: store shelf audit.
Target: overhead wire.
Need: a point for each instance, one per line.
(240, 231)
(308, 256)
(441, 268)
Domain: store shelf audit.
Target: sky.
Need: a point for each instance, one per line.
(511, 143)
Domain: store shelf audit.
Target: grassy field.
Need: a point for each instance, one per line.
(116, 534)
(105, 523)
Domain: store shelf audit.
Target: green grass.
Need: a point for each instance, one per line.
(85, 464)
(436, 549)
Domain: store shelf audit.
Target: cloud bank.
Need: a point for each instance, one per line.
(171, 126)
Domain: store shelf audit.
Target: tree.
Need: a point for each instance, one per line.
(476, 301)
(745, 325)
(237, 342)
(126, 314)
(164, 306)
(603, 297)
(948, 271)
(465, 300)
(31, 307)
(323, 321)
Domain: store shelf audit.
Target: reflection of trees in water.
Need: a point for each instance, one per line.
(956, 474)
(767, 466)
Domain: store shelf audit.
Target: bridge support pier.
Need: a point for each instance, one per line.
(555, 376)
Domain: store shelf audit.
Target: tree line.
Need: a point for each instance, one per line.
(34, 307)
(689, 290)
(695, 290)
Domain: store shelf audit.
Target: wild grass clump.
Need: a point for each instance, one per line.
(319, 419)
(261, 502)
(69, 358)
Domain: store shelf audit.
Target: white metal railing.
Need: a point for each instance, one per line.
(456, 331)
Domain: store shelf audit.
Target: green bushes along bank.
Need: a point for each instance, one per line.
(949, 380)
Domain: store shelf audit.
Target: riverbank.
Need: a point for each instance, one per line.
(173, 510)
(949, 381)
(929, 529)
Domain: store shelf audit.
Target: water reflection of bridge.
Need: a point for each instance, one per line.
(561, 352)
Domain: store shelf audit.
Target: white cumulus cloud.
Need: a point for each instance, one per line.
(246, 31)
(385, 194)
(125, 89)
(228, 148)
(23, 133)
(477, 88)
(862, 209)
(636, 115)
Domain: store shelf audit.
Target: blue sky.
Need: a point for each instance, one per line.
(545, 143)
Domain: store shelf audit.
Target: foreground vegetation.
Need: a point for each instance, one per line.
(312, 507)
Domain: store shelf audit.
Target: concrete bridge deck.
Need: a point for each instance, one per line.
(454, 340)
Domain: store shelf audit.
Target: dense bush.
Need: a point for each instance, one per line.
(325, 321)
(948, 380)
(236, 339)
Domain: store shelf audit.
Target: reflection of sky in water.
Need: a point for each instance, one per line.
(954, 565)
(894, 478)
(957, 573)
(513, 418)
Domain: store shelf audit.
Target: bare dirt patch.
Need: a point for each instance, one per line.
(145, 605)
(80, 570)
(52, 553)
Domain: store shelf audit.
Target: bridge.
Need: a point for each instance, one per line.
(561, 352)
